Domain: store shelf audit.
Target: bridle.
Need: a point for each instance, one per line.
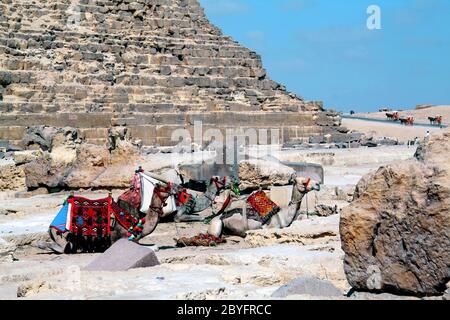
(163, 194)
(307, 184)
(220, 185)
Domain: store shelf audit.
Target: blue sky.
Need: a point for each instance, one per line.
(323, 50)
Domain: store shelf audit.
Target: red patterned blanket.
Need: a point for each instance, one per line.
(90, 218)
(265, 207)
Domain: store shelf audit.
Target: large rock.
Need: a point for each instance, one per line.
(12, 178)
(91, 161)
(96, 167)
(7, 250)
(396, 233)
(40, 136)
(122, 256)
(49, 170)
(69, 162)
(255, 174)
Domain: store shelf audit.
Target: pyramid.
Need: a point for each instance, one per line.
(152, 65)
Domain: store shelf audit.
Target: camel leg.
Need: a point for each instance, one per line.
(216, 227)
(59, 243)
(182, 216)
(237, 225)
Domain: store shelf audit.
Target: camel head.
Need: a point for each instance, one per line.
(219, 184)
(305, 185)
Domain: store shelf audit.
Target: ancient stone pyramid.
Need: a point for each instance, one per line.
(153, 65)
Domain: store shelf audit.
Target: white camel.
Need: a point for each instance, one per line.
(236, 222)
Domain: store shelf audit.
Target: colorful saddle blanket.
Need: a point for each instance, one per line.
(92, 219)
(89, 218)
(265, 207)
(132, 198)
(84, 217)
(123, 217)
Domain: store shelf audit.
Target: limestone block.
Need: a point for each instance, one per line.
(122, 256)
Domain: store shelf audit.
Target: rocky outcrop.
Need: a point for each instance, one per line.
(12, 177)
(6, 251)
(396, 233)
(255, 174)
(50, 170)
(63, 160)
(323, 210)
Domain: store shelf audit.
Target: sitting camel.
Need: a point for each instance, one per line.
(189, 209)
(236, 222)
(68, 243)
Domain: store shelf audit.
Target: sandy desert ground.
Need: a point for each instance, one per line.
(389, 130)
(251, 268)
(421, 115)
(395, 130)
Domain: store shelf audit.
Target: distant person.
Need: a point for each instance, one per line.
(427, 136)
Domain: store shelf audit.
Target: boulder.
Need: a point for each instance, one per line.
(41, 136)
(255, 174)
(308, 286)
(395, 234)
(7, 250)
(122, 256)
(49, 170)
(12, 178)
(46, 137)
(91, 161)
(23, 157)
(96, 167)
(323, 210)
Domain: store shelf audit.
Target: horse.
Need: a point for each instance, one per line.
(237, 222)
(439, 120)
(394, 116)
(432, 120)
(409, 121)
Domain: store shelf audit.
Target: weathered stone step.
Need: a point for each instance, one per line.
(156, 65)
